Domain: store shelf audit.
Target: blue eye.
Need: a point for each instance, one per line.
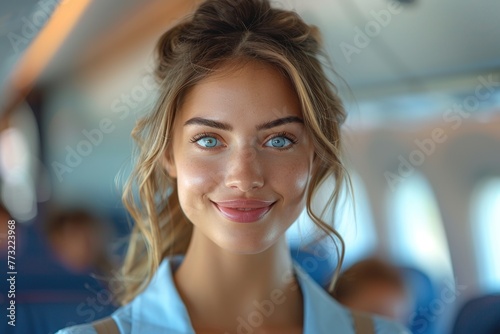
(279, 141)
(207, 141)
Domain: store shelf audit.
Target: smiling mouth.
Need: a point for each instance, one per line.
(243, 215)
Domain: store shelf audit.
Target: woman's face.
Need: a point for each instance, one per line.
(229, 144)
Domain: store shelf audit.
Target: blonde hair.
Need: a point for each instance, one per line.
(218, 32)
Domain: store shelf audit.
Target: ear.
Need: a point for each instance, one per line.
(169, 164)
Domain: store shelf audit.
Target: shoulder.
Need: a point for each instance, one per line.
(79, 329)
(386, 326)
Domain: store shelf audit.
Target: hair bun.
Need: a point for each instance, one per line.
(227, 16)
(221, 21)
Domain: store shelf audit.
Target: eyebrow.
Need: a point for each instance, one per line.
(228, 127)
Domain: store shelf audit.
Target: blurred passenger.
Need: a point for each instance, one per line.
(79, 241)
(374, 286)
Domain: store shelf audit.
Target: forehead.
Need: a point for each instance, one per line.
(254, 88)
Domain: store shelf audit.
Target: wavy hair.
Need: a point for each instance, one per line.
(217, 33)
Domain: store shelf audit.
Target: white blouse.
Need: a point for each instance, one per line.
(159, 309)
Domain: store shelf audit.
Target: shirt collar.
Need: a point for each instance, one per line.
(322, 313)
(159, 307)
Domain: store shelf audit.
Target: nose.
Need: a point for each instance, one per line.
(243, 170)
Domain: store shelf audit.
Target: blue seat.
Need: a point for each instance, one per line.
(48, 297)
(49, 317)
(423, 292)
(480, 315)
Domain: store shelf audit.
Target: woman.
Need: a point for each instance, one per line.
(246, 128)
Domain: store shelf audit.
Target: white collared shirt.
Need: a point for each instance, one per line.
(159, 310)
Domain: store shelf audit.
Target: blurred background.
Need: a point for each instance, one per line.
(420, 80)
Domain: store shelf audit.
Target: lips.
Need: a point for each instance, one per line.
(244, 211)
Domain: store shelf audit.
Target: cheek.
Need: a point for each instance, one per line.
(195, 178)
(291, 178)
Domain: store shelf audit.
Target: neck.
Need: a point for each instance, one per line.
(222, 289)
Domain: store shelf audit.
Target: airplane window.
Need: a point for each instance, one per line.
(418, 237)
(19, 165)
(486, 229)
